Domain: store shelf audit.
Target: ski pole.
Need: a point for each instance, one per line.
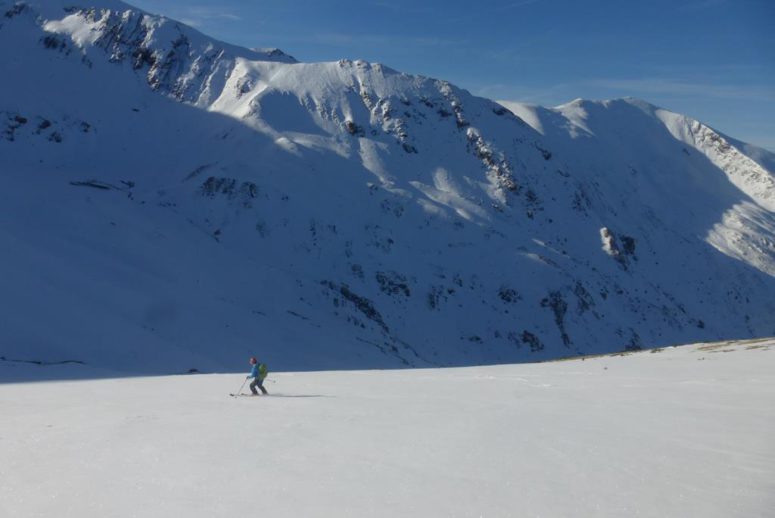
(240, 388)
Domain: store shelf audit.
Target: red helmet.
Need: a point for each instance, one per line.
(253, 360)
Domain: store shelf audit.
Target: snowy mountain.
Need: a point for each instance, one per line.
(171, 202)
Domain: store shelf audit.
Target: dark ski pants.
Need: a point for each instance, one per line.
(257, 382)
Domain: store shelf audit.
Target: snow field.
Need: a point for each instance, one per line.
(679, 432)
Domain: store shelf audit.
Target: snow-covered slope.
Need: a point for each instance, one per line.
(170, 201)
(603, 133)
(674, 433)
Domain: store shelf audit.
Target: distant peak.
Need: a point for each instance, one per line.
(275, 53)
(632, 101)
(640, 103)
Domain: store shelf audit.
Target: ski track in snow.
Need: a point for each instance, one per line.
(674, 433)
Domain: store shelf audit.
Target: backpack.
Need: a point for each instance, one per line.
(262, 371)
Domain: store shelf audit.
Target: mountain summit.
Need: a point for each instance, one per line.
(169, 196)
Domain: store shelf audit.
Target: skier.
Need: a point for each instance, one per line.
(258, 373)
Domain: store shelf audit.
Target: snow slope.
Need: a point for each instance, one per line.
(172, 202)
(674, 432)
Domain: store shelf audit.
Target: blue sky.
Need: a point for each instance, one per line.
(711, 59)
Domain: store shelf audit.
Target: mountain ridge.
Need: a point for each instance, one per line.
(397, 217)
